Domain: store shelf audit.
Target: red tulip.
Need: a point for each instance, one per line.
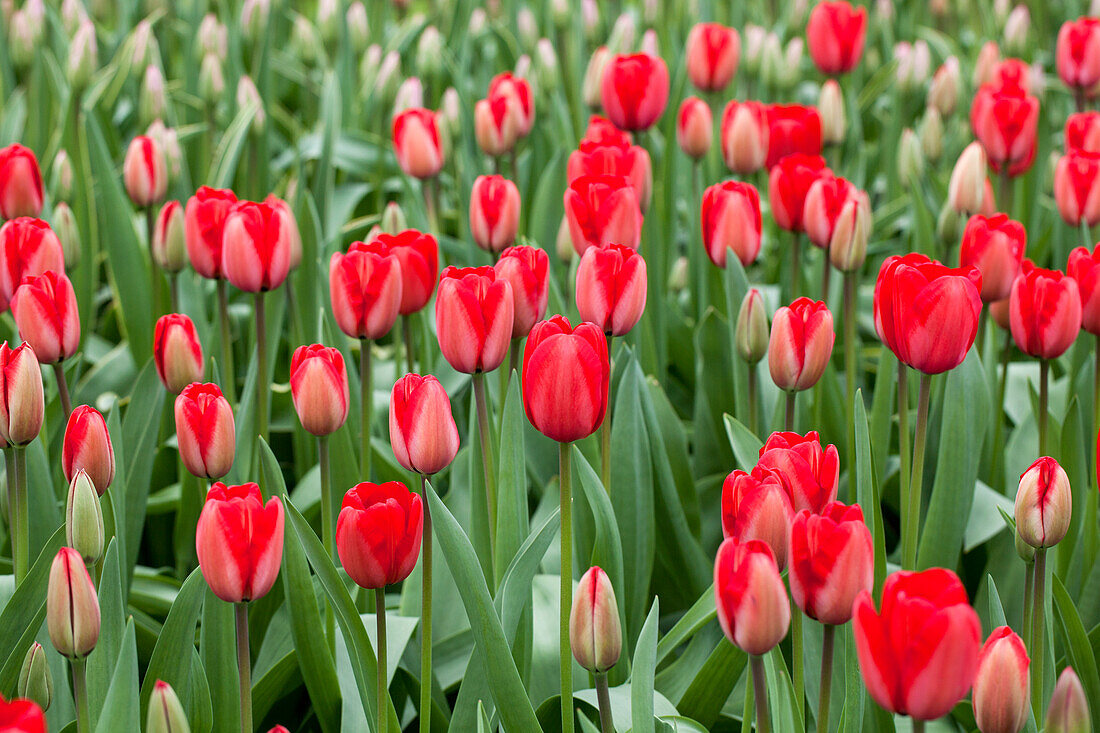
(378, 533)
(20, 182)
(634, 90)
(926, 313)
(494, 213)
(824, 202)
(204, 223)
(418, 259)
(611, 288)
(694, 127)
(752, 603)
(605, 153)
(1077, 187)
(602, 210)
(255, 247)
(1011, 76)
(289, 224)
(177, 352)
(517, 91)
(422, 430)
(525, 269)
(1077, 54)
(46, 314)
(145, 171)
(417, 144)
(20, 715)
(810, 472)
(835, 35)
(72, 606)
(87, 445)
(713, 51)
(757, 506)
(1044, 503)
(365, 288)
(205, 430)
(1001, 685)
(319, 388)
(496, 125)
(995, 246)
(601, 131)
(792, 128)
(473, 315)
(169, 247)
(1005, 121)
(919, 655)
(22, 405)
(1082, 132)
(1044, 311)
(1084, 268)
(788, 184)
(832, 560)
(28, 248)
(746, 136)
(566, 376)
(801, 343)
(239, 540)
(730, 218)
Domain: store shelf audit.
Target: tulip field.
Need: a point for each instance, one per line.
(570, 366)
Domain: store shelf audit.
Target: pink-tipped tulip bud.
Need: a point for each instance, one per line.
(966, 189)
(177, 352)
(473, 315)
(169, 240)
(365, 286)
(46, 314)
(378, 533)
(166, 714)
(145, 171)
(712, 51)
(1068, 711)
(752, 328)
(68, 233)
(22, 404)
(1002, 685)
(745, 135)
(256, 247)
(851, 231)
(757, 506)
(28, 248)
(995, 245)
(422, 429)
(595, 633)
(87, 447)
(525, 268)
(494, 213)
(801, 343)
(943, 92)
(611, 288)
(1044, 504)
(72, 607)
(319, 388)
(205, 430)
(730, 219)
(832, 560)
(35, 684)
(694, 127)
(239, 541)
(752, 603)
(417, 144)
(20, 182)
(84, 518)
(830, 105)
(822, 206)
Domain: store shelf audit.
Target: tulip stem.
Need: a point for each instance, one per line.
(262, 386)
(850, 369)
(918, 726)
(1029, 591)
(244, 666)
(174, 290)
(431, 204)
(383, 687)
(80, 695)
(407, 333)
(484, 436)
(1005, 193)
(747, 710)
(796, 265)
(328, 533)
(603, 696)
(426, 613)
(828, 634)
(63, 389)
(1044, 378)
(760, 692)
(1038, 632)
(565, 480)
(999, 417)
(826, 272)
(909, 546)
(228, 381)
(798, 667)
(366, 394)
(788, 420)
(903, 444)
(752, 398)
(150, 228)
(17, 510)
(605, 434)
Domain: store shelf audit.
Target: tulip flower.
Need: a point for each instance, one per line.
(87, 446)
(1077, 55)
(611, 288)
(35, 684)
(255, 247)
(1001, 686)
(831, 561)
(145, 172)
(289, 225)
(634, 90)
(1084, 268)
(422, 430)
(1077, 187)
(830, 105)
(994, 245)
(943, 92)
(923, 671)
(20, 182)
(72, 607)
(525, 269)
(800, 345)
(712, 51)
(418, 262)
(966, 190)
(177, 352)
(595, 633)
(46, 313)
(494, 213)
(204, 224)
(788, 185)
(166, 714)
(605, 150)
(1082, 132)
(319, 387)
(495, 125)
(1045, 312)
(603, 209)
(378, 533)
(205, 430)
(1068, 711)
(809, 471)
(239, 540)
(1012, 76)
(835, 35)
(821, 208)
(792, 129)
(169, 247)
(365, 286)
(21, 396)
(517, 92)
(84, 518)
(757, 506)
(417, 144)
(746, 134)
(730, 219)
(20, 715)
(474, 313)
(694, 127)
(1005, 121)
(1044, 504)
(28, 248)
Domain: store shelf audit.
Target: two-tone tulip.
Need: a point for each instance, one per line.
(595, 632)
(1044, 504)
(746, 136)
(205, 430)
(255, 247)
(494, 213)
(46, 313)
(753, 610)
(801, 344)
(712, 52)
(417, 256)
(365, 287)
(239, 541)
(474, 312)
(757, 506)
(378, 533)
(422, 429)
(20, 182)
(169, 246)
(730, 219)
(603, 209)
(87, 446)
(204, 225)
(788, 184)
(1084, 268)
(995, 246)
(611, 288)
(525, 268)
(694, 127)
(145, 172)
(177, 352)
(72, 606)
(1002, 685)
(319, 388)
(1044, 311)
(831, 560)
(634, 90)
(417, 143)
(28, 248)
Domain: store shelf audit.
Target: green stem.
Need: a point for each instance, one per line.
(605, 436)
(1005, 194)
(909, 547)
(1029, 592)
(154, 274)
(796, 265)
(63, 389)
(365, 406)
(788, 420)
(828, 634)
(752, 396)
(760, 692)
(826, 272)
(603, 696)
(426, 614)
(1038, 632)
(80, 695)
(229, 382)
(383, 687)
(850, 367)
(798, 666)
(999, 418)
(328, 531)
(1044, 378)
(262, 385)
(21, 553)
(918, 726)
(514, 354)
(565, 659)
(407, 333)
(484, 435)
(174, 290)
(903, 441)
(244, 666)
(747, 710)
(431, 203)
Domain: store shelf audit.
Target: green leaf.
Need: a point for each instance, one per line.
(607, 547)
(867, 490)
(641, 681)
(514, 593)
(139, 435)
(223, 166)
(699, 615)
(112, 625)
(171, 660)
(746, 446)
(713, 684)
(1078, 650)
(122, 708)
(24, 613)
(512, 509)
(218, 651)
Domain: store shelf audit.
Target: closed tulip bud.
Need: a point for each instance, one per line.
(753, 610)
(494, 213)
(830, 105)
(995, 245)
(239, 542)
(832, 560)
(1077, 54)
(46, 315)
(20, 182)
(211, 80)
(254, 18)
(678, 274)
(547, 69)
(602, 209)
(593, 75)
(83, 56)
(205, 430)
(478, 21)
(525, 269)
(694, 127)
(319, 388)
(73, 13)
(410, 95)
(1082, 132)
(561, 360)
(851, 231)
(563, 242)
(87, 447)
(429, 51)
(378, 533)
(450, 112)
(1016, 29)
(145, 172)
(153, 103)
(745, 136)
(166, 714)
(1002, 686)
(72, 607)
(1068, 711)
(168, 140)
(527, 27)
(943, 94)
(474, 311)
(836, 32)
(177, 352)
(788, 184)
(213, 36)
(595, 633)
(621, 39)
(966, 189)
(366, 288)
(328, 21)
(416, 143)
(931, 134)
(730, 220)
(1044, 504)
(753, 46)
(634, 90)
(800, 345)
(948, 224)
(590, 17)
(787, 74)
(249, 96)
(712, 51)
(611, 288)
(495, 129)
(422, 429)
(61, 176)
(910, 158)
(22, 404)
(84, 518)
(385, 79)
(279, 729)
(752, 328)
(305, 41)
(757, 506)
(22, 38)
(1045, 311)
(989, 57)
(771, 59)
(169, 248)
(650, 45)
(35, 681)
(256, 242)
(68, 233)
(393, 218)
(358, 26)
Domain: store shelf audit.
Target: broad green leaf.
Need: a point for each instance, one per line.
(701, 613)
(24, 613)
(139, 435)
(867, 491)
(121, 707)
(607, 547)
(1078, 650)
(512, 512)
(218, 651)
(713, 684)
(641, 681)
(112, 625)
(171, 660)
(746, 446)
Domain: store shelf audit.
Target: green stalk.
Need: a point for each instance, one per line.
(752, 395)
(484, 435)
(903, 440)
(1038, 632)
(747, 710)
(80, 695)
(796, 265)
(383, 688)
(760, 691)
(909, 546)
(999, 418)
(798, 666)
(826, 272)
(150, 228)
(850, 367)
(229, 382)
(21, 553)
(603, 696)
(1044, 378)
(1029, 592)
(788, 421)
(244, 666)
(63, 389)
(605, 436)
(565, 659)
(328, 531)
(829, 632)
(174, 290)
(918, 726)
(426, 614)
(262, 386)
(365, 406)
(407, 333)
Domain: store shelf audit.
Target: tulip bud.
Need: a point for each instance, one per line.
(478, 21)
(61, 175)
(1068, 711)
(527, 27)
(393, 218)
(35, 680)
(830, 105)
(166, 714)
(153, 104)
(83, 56)
(913, 62)
(1001, 687)
(87, 447)
(22, 404)
(177, 352)
(800, 345)
(84, 518)
(305, 41)
(590, 17)
(378, 533)
(753, 47)
(752, 328)
(248, 94)
(593, 76)
(546, 65)
(848, 244)
(621, 38)
(46, 314)
(429, 51)
(1044, 503)
(319, 387)
(678, 274)
(22, 39)
(145, 171)
(595, 633)
(211, 80)
(415, 135)
(910, 158)
(563, 243)
(771, 59)
(328, 21)
(410, 95)
(694, 127)
(422, 430)
(72, 607)
(169, 248)
(649, 44)
(943, 94)
(73, 14)
(989, 57)
(358, 26)
(254, 18)
(948, 225)
(68, 234)
(169, 143)
(1016, 28)
(931, 134)
(213, 36)
(966, 189)
(745, 136)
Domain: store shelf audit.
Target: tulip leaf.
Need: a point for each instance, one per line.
(218, 651)
(607, 547)
(851, 718)
(276, 681)
(641, 680)
(701, 613)
(223, 166)
(121, 707)
(512, 512)
(171, 659)
(784, 709)
(882, 412)
(514, 593)
(1078, 649)
(746, 446)
(139, 434)
(24, 613)
(112, 625)
(713, 683)
(867, 491)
